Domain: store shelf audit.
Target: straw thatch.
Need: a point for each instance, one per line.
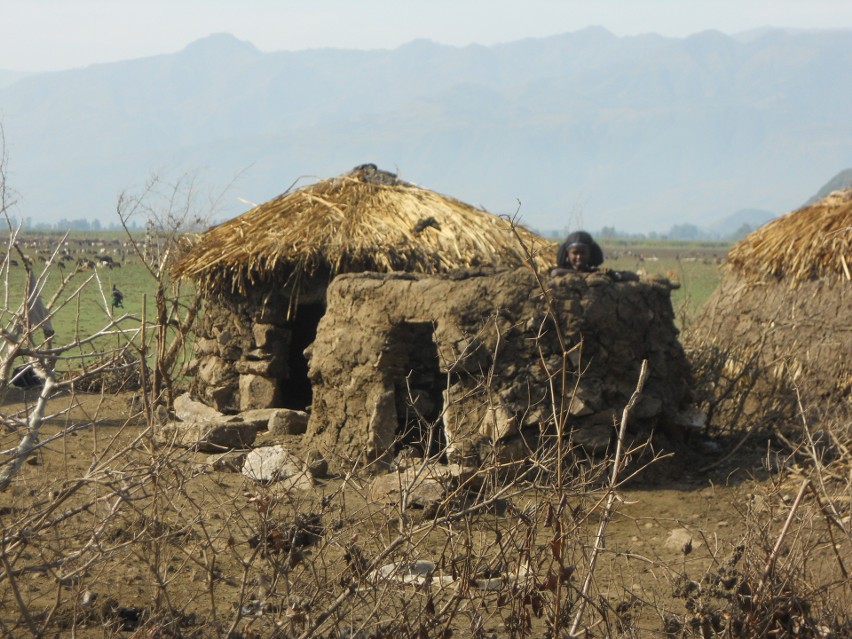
(365, 220)
(773, 338)
(810, 243)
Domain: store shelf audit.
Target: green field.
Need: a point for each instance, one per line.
(82, 299)
(694, 265)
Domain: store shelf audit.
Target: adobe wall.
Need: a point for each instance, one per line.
(498, 356)
(780, 343)
(241, 355)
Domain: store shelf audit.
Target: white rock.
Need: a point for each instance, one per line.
(190, 410)
(693, 418)
(422, 488)
(271, 463)
(679, 537)
(302, 481)
(405, 572)
(260, 417)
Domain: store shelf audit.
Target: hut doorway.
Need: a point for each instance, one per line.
(296, 392)
(418, 385)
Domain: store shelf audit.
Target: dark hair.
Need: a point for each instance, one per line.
(596, 257)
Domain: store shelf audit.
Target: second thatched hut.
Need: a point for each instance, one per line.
(776, 335)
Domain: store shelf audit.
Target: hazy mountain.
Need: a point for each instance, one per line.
(583, 128)
(9, 77)
(842, 180)
(735, 223)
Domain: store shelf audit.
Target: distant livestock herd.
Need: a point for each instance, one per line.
(81, 254)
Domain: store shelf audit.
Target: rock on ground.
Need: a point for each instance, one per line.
(208, 436)
(271, 464)
(190, 410)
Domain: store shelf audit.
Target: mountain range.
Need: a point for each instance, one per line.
(581, 129)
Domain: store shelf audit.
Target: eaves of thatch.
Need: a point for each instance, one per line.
(365, 220)
(813, 242)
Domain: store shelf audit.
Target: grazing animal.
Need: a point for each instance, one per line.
(25, 376)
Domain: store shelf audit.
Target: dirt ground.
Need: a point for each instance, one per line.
(106, 534)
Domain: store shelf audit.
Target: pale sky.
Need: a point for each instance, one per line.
(46, 35)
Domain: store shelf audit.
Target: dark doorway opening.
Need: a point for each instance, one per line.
(418, 385)
(296, 392)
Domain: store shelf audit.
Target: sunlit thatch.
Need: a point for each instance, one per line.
(809, 243)
(365, 220)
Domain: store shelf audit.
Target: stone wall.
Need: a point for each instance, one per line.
(499, 357)
(243, 347)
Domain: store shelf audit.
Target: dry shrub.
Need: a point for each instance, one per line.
(110, 374)
(730, 387)
(128, 536)
(788, 577)
(147, 540)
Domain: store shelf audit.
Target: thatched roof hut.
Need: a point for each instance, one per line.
(364, 220)
(265, 273)
(777, 329)
(814, 242)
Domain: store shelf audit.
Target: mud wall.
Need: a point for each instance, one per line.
(499, 356)
(775, 343)
(242, 356)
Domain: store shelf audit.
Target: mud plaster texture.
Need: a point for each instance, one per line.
(784, 343)
(243, 351)
(498, 359)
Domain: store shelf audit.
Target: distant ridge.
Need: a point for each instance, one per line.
(221, 45)
(842, 180)
(8, 77)
(732, 224)
(636, 133)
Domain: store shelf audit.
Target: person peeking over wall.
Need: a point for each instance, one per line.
(579, 253)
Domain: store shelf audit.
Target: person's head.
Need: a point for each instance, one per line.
(578, 256)
(579, 252)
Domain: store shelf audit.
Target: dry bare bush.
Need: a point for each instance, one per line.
(36, 509)
(171, 210)
(789, 575)
(61, 531)
(151, 540)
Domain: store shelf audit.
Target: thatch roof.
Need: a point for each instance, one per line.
(365, 220)
(812, 242)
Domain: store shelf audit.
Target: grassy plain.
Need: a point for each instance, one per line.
(81, 298)
(696, 266)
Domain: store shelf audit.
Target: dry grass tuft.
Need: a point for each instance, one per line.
(365, 220)
(812, 242)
